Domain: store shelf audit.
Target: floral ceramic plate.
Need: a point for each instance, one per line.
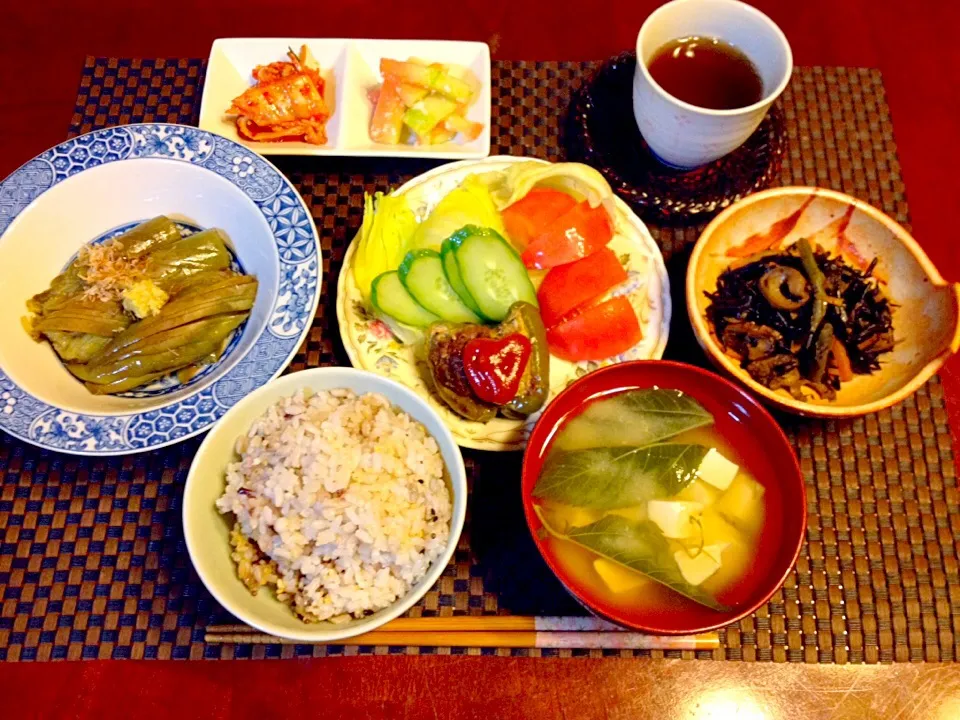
(96, 185)
(371, 346)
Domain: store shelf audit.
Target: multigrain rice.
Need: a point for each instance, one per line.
(340, 503)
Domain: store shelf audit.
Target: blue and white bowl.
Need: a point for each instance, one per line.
(93, 185)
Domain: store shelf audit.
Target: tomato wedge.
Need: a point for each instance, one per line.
(579, 232)
(598, 332)
(531, 214)
(567, 287)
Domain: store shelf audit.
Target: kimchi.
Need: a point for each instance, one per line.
(286, 103)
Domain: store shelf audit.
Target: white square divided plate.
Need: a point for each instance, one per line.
(351, 68)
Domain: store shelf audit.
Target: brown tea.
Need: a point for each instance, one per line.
(706, 72)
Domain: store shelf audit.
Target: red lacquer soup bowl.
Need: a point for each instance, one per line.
(763, 449)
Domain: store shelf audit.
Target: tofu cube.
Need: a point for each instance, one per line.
(565, 517)
(696, 570)
(635, 513)
(699, 491)
(716, 470)
(716, 551)
(742, 504)
(617, 577)
(674, 517)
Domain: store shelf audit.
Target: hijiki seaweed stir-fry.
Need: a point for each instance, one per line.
(801, 320)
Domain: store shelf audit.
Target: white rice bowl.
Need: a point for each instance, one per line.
(324, 504)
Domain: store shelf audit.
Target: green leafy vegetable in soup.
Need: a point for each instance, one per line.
(613, 477)
(635, 418)
(638, 547)
(638, 493)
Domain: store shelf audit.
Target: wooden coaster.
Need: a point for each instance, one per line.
(601, 131)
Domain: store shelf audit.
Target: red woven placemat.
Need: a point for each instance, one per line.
(92, 560)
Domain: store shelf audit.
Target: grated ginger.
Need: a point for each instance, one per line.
(144, 298)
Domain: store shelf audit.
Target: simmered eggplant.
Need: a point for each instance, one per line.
(143, 305)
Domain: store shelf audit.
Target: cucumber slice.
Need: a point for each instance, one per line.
(450, 269)
(421, 273)
(388, 296)
(492, 271)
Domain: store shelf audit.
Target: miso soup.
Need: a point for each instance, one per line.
(646, 504)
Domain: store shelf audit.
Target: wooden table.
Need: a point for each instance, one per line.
(42, 48)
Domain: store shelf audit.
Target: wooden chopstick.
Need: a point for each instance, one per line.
(473, 623)
(487, 631)
(506, 639)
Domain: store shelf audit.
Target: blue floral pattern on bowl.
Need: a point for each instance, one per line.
(292, 308)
